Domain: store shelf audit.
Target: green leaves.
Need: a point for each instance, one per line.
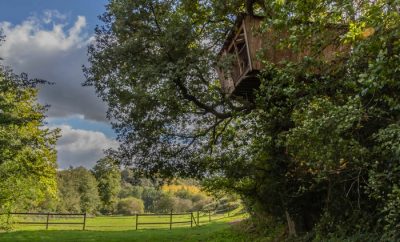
(108, 176)
(77, 191)
(27, 148)
(154, 63)
(320, 140)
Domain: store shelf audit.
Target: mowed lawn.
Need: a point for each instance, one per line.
(113, 229)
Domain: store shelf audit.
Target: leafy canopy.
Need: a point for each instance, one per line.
(27, 147)
(318, 148)
(153, 62)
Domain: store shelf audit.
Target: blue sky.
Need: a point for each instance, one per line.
(16, 11)
(48, 39)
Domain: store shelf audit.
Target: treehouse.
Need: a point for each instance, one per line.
(238, 62)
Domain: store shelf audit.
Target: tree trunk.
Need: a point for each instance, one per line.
(291, 225)
(249, 7)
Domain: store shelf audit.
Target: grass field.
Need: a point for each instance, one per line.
(115, 229)
(118, 223)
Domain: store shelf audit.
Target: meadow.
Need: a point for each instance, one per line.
(113, 229)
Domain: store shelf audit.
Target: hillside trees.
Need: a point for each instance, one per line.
(108, 176)
(77, 191)
(27, 147)
(318, 147)
(179, 196)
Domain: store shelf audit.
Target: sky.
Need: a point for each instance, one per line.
(47, 39)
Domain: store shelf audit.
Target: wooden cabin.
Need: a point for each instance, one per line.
(238, 62)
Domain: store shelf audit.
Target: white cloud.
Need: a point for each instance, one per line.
(79, 147)
(50, 49)
(50, 15)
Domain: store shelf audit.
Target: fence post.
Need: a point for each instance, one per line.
(47, 221)
(137, 219)
(198, 218)
(8, 218)
(191, 219)
(170, 221)
(84, 221)
(209, 215)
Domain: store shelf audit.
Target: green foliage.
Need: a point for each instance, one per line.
(183, 193)
(318, 147)
(108, 177)
(166, 70)
(165, 203)
(77, 191)
(183, 205)
(130, 206)
(27, 147)
(129, 190)
(69, 197)
(150, 195)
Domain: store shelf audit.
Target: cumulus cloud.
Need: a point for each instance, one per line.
(49, 48)
(50, 15)
(79, 147)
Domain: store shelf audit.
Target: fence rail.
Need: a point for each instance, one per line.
(48, 222)
(57, 214)
(167, 215)
(137, 221)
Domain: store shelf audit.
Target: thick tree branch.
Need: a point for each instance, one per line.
(183, 89)
(208, 109)
(190, 97)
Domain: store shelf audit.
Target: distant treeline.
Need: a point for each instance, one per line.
(106, 189)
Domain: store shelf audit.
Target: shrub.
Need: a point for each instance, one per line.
(130, 206)
(166, 203)
(150, 196)
(198, 197)
(183, 193)
(4, 222)
(183, 205)
(200, 205)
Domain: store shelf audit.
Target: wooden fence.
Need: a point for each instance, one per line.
(48, 221)
(194, 218)
(138, 220)
(170, 222)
